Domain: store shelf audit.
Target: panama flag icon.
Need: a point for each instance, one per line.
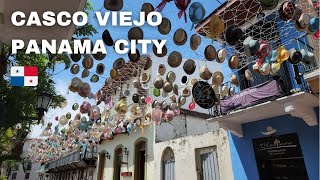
(24, 76)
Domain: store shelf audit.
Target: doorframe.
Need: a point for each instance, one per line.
(139, 140)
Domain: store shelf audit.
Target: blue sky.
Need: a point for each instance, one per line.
(170, 11)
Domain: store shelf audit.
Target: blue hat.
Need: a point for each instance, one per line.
(272, 56)
(307, 57)
(313, 25)
(251, 46)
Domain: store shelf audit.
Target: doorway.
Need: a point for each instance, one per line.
(280, 158)
(117, 164)
(140, 160)
(102, 160)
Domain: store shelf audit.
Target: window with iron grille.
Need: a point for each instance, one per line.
(168, 164)
(207, 164)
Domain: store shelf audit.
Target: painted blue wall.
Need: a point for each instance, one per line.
(242, 152)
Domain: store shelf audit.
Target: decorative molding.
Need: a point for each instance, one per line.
(302, 111)
(234, 128)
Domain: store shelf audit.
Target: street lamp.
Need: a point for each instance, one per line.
(126, 151)
(43, 103)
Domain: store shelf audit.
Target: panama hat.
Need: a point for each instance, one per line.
(108, 82)
(307, 57)
(156, 105)
(135, 33)
(165, 26)
(164, 105)
(174, 59)
(234, 80)
(185, 92)
(164, 94)
(121, 107)
(313, 26)
(171, 76)
(256, 68)
(180, 37)
(233, 35)
(113, 73)
(216, 26)
(99, 56)
(205, 73)
(274, 68)
(302, 23)
(268, 4)
(210, 53)
(106, 37)
(75, 84)
(172, 106)
(217, 78)
(75, 57)
(94, 78)
(167, 87)
(134, 57)
(295, 56)
(283, 54)
(195, 42)
(216, 89)
(164, 50)
(100, 68)
(87, 62)
(119, 63)
(189, 66)
(248, 75)
(182, 100)
(286, 11)
(224, 90)
(221, 55)
(251, 46)
(193, 81)
(184, 80)
(148, 63)
(175, 90)
(265, 69)
(231, 91)
(85, 73)
(113, 5)
(145, 78)
(75, 68)
(233, 62)
(147, 8)
(158, 82)
(173, 98)
(270, 131)
(161, 69)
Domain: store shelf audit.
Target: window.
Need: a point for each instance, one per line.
(102, 160)
(117, 163)
(140, 160)
(26, 176)
(207, 164)
(167, 164)
(14, 176)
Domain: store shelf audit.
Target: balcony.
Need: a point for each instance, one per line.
(85, 158)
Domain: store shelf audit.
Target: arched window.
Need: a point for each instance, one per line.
(102, 161)
(140, 159)
(117, 162)
(167, 164)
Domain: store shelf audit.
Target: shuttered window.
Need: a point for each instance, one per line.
(168, 163)
(207, 164)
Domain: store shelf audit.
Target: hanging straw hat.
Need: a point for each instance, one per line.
(164, 50)
(180, 37)
(164, 94)
(147, 8)
(175, 90)
(233, 62)
(134, 57)
(185, 92)
(121, 107)
(248, 75)
(256, 68)
(221, 55)
(75, 84)
(145, 78)
(113, 5)
(87, 62)
(148, 63)
(193, 81)
(113, 73)
(94, 78)
(182, 100)
(269, 4)
(251, 46)
(158, 82)
(274, 68)
(173, 98)
(85, 73)
(302, 23)
(189, 66)
(205, 73)
(307, 57)
(217, 78)
(161, 69)
(224, 90)
(75, 68)
(233, 35)
(106, 37)
(184, 80)
(119, 63)
(164, 105)
(156, 92)
(295, 56)
(165, 27)
(99, 56)
(108, 82)
(167, 87)
(210, 53)
(171, 76)
(216, 26)
(100, 68)
(135, 33)
(286, 11)
(174, 59)
(283, 54)
(234, 80)
(75, 57)
(231, 91)
(195, 42)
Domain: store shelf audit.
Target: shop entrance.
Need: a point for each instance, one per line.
(280, 158)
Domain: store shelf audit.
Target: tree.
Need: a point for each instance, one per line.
(19, 102)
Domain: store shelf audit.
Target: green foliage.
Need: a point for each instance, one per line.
(3, 178)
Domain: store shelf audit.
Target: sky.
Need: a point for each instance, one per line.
(62, 77)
